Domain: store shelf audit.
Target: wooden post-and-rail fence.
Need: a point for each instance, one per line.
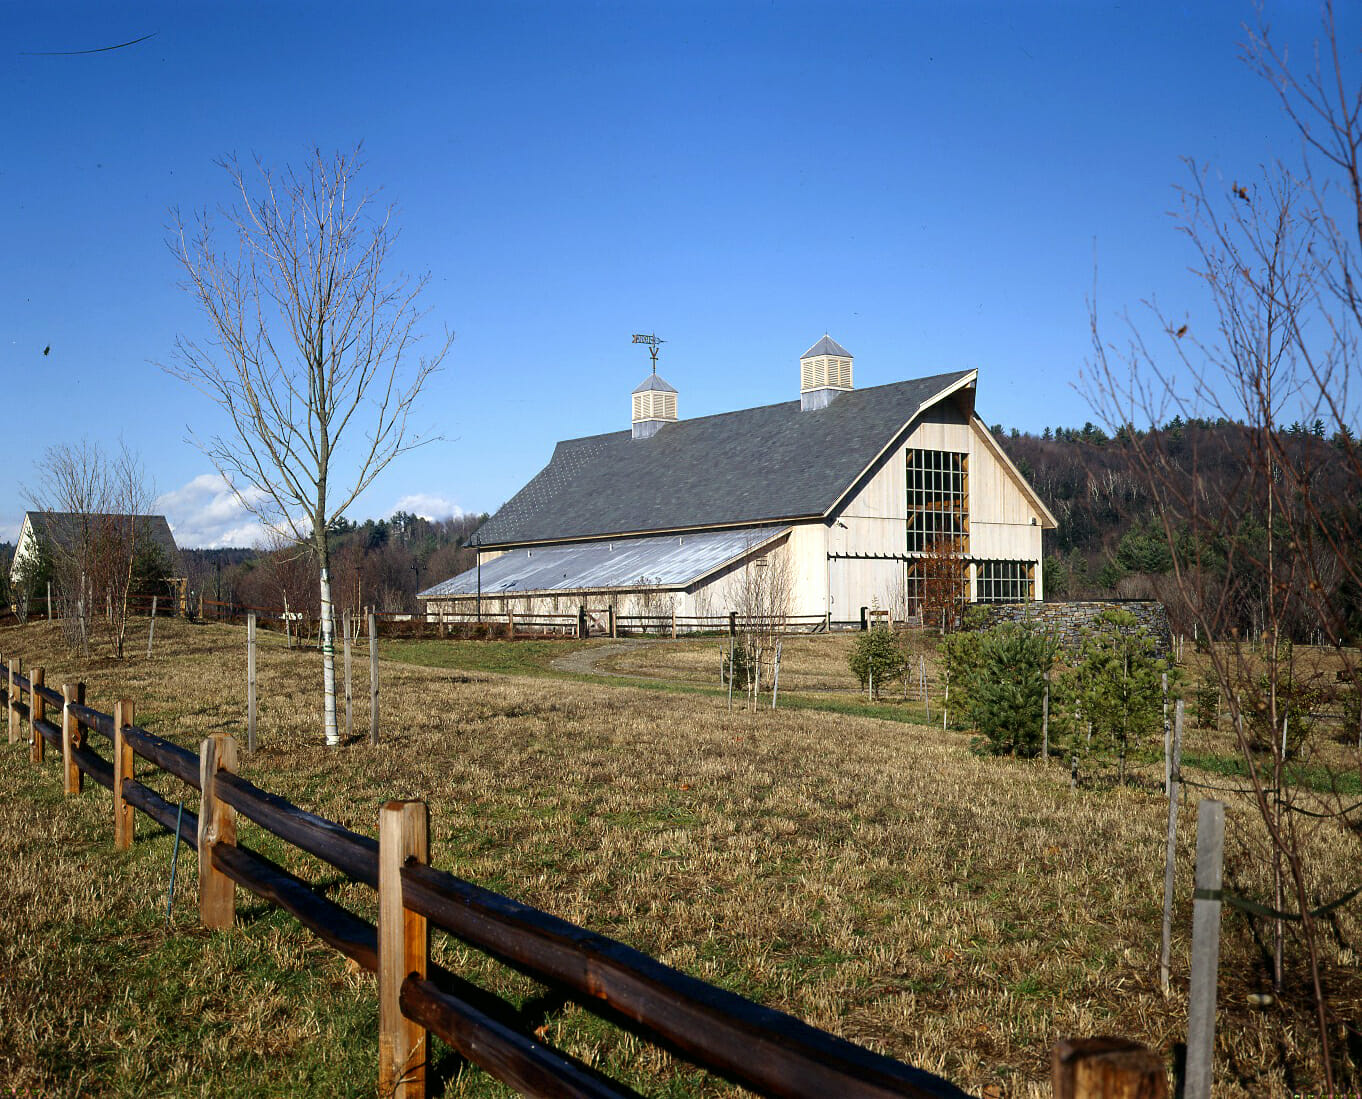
(763, 1050)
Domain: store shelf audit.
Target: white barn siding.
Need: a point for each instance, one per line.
(866, 540)
(856, 556)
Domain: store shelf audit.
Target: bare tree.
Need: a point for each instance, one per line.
(92, 508)
(310, 353)
(940, 576)
(761, 593)
(1273, 554)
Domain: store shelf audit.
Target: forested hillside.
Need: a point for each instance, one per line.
(380, 563)
(1111, 540)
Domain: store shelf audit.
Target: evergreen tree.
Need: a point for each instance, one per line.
(1117, 683)
(878, 652)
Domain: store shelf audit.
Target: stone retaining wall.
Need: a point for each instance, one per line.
(1070, 621)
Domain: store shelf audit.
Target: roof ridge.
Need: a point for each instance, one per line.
(776, 404)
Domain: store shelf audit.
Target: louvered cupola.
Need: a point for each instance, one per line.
(824, 374)
(654, 405)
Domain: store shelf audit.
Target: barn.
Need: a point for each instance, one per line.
(843, 499)
(63, 532)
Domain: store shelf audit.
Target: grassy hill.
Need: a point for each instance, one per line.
(870, 876)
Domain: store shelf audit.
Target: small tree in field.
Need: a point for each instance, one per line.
(1116, 681)
(309, 354)
(878, 655)
(999, 675)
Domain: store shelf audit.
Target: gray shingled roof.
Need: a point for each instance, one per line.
(63, 528)
(657, 561)
(653, 381)
(760, 465)
(826, 346)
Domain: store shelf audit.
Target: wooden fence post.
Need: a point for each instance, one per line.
(73, 778)
(1106, 1068)
(373, 678)
(217, 824)
(1167, 742)
(250, 682)
(1045, 719)
(37, 711)
(403, 949)
(1210, 851)
(348, 621)
(1174, 764)
(151, 629)
(582, 627)
(15, 669)
(123, 768)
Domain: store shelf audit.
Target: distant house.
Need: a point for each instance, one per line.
(62, 530)
(851, 492)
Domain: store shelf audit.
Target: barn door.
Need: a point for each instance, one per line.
(856, 582)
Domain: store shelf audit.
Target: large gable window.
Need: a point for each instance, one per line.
(938, 501)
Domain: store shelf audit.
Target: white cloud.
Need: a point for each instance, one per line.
(428, 506)
(205, 512)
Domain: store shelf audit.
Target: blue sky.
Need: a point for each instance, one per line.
(935, 185)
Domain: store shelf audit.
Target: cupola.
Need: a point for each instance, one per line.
(824, 373)
(654, 405)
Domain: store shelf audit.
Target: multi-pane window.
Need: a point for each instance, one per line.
(935, 583)
(1005, 582)
(938, 501)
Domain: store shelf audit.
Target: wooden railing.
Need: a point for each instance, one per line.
(764, 1050)
(499, 621)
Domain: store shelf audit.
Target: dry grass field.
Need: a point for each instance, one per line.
(870, 876)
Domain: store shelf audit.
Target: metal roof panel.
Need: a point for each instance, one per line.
(661, 561)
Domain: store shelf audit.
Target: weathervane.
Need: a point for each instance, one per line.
(653, 343)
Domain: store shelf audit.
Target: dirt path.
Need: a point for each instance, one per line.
(587, 661)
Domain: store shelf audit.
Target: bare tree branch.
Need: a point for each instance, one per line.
(312, 349)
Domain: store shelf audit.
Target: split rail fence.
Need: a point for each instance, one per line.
(763, 1050)
(585, 621)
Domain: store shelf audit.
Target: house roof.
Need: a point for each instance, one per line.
(656, 561)
(755, 466)
(62, 528)
(653, 381)
(826, 346)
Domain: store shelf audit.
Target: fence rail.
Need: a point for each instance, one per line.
(757, 1047)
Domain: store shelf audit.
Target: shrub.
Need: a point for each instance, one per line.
(1295, 701)
(1005, 688)
(743, 663)
(1352, 716)
(1206, 701)
(1117, 683)
(878, 653)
